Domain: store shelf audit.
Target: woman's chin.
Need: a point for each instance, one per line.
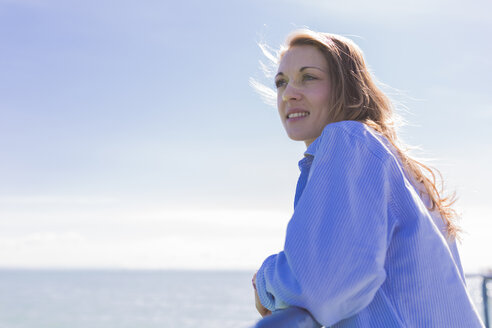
(296, 137)
(299, 137)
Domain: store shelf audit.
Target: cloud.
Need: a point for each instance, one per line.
(229, 250)
(55, 199)
(400, 11)
(143, 238)
(484, 113)
(36, 239)
(477, 237)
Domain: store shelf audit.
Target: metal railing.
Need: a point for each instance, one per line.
(294, 317)
(484, 295)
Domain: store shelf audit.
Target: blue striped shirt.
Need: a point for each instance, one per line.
(361, 248)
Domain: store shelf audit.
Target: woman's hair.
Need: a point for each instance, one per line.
(356, 97)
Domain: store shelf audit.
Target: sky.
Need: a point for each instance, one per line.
(130, 136)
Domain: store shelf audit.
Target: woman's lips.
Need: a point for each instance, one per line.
(297, 118)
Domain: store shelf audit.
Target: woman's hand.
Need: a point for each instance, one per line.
(261, 309)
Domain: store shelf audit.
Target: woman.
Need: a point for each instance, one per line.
(371, 242)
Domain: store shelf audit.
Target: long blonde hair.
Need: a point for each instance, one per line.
(355, 96)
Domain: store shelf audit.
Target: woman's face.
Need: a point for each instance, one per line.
(303, 86)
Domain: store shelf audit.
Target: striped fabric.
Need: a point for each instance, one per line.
(361, 248)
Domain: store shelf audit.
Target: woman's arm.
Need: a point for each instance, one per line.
(333, 259)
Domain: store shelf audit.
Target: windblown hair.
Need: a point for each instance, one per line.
(355, 96)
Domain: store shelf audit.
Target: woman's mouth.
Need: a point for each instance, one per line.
(297, 116)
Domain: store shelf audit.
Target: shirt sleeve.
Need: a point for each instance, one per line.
(336, 241)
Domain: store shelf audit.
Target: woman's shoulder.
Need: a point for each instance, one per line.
(352, 128)
(359, 136)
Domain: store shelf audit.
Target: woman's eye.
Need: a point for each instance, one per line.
(280, 83)
(307, 77)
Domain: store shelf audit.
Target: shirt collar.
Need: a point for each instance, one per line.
(309, 154)
(313, 147)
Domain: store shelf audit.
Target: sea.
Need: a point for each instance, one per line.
(133, 298)
(126, 298)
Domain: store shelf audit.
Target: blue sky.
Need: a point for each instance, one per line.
(130, 137)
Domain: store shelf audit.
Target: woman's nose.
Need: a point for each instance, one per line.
(291, 93)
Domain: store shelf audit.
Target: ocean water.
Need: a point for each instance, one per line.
(106, 299)
(143, 299)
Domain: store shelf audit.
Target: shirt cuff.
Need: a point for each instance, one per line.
(266, 298)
